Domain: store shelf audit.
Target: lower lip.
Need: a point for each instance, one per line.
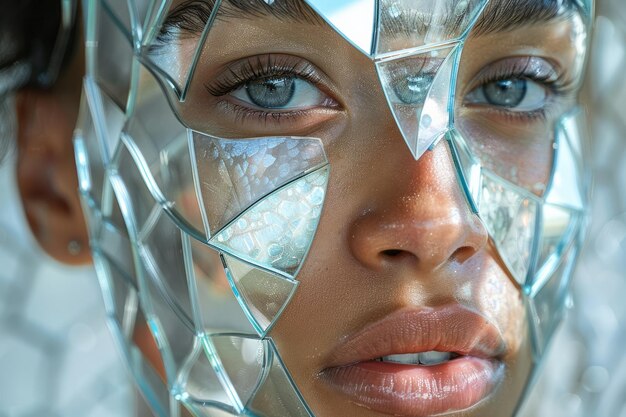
(412, 390)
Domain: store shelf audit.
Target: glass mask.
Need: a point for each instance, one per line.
(199, 233)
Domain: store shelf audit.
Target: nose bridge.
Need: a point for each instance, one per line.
(423, 218)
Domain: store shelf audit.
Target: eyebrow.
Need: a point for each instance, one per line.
(190, 16)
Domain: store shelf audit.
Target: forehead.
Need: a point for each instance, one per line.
(396, 16)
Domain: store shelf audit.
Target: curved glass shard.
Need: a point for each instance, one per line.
(276, 232)
(407, 24)
(235, 173)
(242, 358)
(172, 48)
(262, 295)
(277, 395)
(510, 218)
(353, 19)
(89, 156)
(418, 91)
(200, 389)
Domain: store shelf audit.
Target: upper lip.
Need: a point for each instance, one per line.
(450, 328)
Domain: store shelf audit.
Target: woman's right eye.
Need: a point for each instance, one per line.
(280, 92)
(413, 89)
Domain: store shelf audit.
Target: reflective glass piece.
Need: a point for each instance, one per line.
(418, 90)
(236, 173)
(408, 24)
(566, 188)
(160, 150)
(90, 159)
(354, 19)
(262, 294)
(548, 304)
(171, 50)
(200, 389)
(277, 395)
(510, 219)
(276, 233)
(109, 53)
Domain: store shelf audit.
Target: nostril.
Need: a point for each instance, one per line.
(392, 252)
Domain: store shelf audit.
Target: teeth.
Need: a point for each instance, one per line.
(424, 358)
(407, 358)
(433, 357)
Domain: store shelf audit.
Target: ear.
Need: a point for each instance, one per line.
(46, 175)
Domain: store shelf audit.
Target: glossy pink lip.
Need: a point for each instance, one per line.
(415, 390)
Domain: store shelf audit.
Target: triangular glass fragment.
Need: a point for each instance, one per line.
(353, 19)
(200, 388)
(235, 173)
(510, 218)
(566, 188)
(276, 232)
(548, 301)
(408, 24)
(242, 359)
(418, 91)
(557, 225)
(172, 48)
(467, 167)
(263, 295)
(277, 395)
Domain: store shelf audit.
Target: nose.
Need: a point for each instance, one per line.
(420, 220)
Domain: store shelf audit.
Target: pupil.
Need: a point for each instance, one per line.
(413, 89)
(506, 93)
(272, 92)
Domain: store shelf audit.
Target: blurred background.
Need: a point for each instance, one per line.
(58, 359)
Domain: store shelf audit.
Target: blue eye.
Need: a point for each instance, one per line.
(284, 92)
(513, 94)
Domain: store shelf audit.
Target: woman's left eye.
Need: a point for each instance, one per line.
(512, 94)
(280, 92)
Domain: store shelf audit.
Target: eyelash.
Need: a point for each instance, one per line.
(258, 68)
(557, 85)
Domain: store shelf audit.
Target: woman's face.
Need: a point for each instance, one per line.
(400, 264)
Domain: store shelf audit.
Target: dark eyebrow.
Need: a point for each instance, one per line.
(190, 16)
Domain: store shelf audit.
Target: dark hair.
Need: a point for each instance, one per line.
(29, 40)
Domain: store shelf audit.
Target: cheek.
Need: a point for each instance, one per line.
(495, 294)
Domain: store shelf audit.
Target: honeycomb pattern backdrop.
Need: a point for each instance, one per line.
(57, 358)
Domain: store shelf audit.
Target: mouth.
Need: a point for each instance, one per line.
(419, 362)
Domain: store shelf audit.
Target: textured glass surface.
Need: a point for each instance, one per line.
(406, 24)
(354, 19)
(276, 233)
(236, 173)
(262, 294)
(510, 219)
(417, 88)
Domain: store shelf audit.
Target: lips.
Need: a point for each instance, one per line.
(473, 372)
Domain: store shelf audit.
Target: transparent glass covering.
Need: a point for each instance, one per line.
(199, 232)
